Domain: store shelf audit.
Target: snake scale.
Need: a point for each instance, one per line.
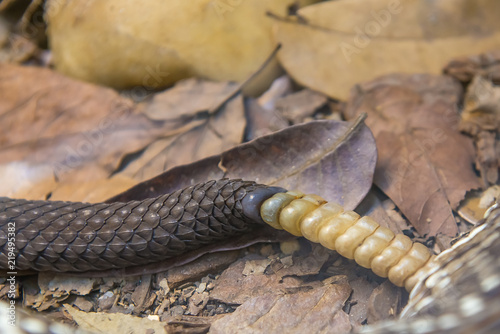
(461, 283)
(76, 237)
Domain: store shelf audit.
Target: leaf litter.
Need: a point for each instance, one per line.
(300, 275)
(327, 144)
(260, 282)
(415, 119)
(333, 45)
(87, 138)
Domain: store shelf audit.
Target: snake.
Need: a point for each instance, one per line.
(78, 237)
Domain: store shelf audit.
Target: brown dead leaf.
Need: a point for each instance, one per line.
(52, 289)
(297, 106)
(71, 124)
(81, 132)
(219, 40)
(481, 119)
(315, 311)
(234, 287)
(197, 302)
(385, 302)
(187, 98)
(93, 191)
(262, 122)
(60, 283)
(381, 211)
(481, 105)
(141, 293)
(83, 304)
(208, 131)
(475, 205)
(256, 275)
(189, 324)
(330, 158)
(114, 323)
(208, 264)
(333, 45)
(424, 164)
(466, 68)
(281, 86)
(359, 301)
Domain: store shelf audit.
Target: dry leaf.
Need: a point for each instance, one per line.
(207, 264)
(334, 45)
(330, 158)
(80, 133)
(255, 275)
(261, 122)
(208, 130)
(315, 311)
(384, 302)
(187, 99)
(234, 287)
(465, 68)
(297, 106)
(381, 211)
(140, 293)
(72, 125)
(481, 119)
(281, 86)
(358, 303)
(112, 43)
(93, 191)
(52, 289)
(23, 180)
(425, 165)
(114, 323)
(482, 105)
(475, 205)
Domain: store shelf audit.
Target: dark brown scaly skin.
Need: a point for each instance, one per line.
(76, 237)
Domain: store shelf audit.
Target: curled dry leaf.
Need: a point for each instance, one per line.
(334, 45)
(187, 99)
(53, 289)
(280, 87)
(425, 164)
(208, 129)
(331, 158)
